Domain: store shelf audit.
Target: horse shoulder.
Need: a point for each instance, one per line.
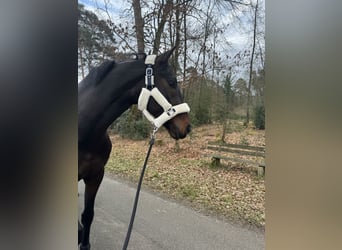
(93, 157)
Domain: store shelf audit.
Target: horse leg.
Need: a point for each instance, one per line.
(80, 232)
(80, 229)
(91, 187)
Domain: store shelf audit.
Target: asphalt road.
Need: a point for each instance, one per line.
(160, 224)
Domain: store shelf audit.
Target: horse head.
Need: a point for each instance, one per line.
(166, 82)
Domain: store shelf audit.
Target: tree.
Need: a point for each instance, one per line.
(258, 84)
(251, 62)
(259, 116)
(139, 25)
(198, 29)
(228, 102)
(240, 88)
(96, 42)
(165, 10)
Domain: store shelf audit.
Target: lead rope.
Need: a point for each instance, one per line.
(130, 227)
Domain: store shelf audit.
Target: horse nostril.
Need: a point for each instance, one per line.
(188, 129)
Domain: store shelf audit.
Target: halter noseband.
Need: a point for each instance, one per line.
(170, 111)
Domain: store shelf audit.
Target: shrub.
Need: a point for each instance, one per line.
(259, 117)
(136, 129)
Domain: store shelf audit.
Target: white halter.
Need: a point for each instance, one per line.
(169, 110)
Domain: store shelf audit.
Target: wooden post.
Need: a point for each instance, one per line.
(215, 162)
(261, 170)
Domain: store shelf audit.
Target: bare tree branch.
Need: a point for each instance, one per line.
(112, 25)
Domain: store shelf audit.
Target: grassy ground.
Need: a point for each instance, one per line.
(184, 171)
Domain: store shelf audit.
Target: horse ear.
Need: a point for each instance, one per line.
(163, 58)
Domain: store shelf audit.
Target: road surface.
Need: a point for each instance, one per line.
(160, 223)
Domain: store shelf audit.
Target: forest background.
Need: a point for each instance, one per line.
(219, 56)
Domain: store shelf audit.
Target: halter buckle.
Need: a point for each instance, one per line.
(149, 71)
(170, 111)
(149, 78)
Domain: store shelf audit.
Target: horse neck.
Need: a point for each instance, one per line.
(105, 102)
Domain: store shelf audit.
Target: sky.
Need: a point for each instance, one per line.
(114, 7)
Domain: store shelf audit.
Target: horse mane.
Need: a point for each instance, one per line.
(97, 74)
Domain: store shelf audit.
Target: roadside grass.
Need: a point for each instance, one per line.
(230, 191)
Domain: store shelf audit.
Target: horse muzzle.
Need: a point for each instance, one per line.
(179, 127)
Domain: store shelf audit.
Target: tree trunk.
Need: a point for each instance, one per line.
(135, 114)
(213, 61)
(166, 10)
(139, 25)
(206, 35)
(251, 65)
(224, 130)
(185, 51)
(177, 41)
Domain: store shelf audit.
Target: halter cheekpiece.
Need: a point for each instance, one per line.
(170, 111)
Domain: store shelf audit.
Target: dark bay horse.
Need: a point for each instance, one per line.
(103, 96)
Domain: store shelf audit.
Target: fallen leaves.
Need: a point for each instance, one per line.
(186, 173)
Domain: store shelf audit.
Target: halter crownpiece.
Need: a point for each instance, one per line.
(150, 59)
(149, 77)
(170, 111)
